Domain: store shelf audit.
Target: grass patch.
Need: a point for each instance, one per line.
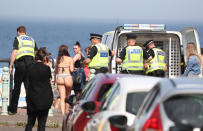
(21, 124)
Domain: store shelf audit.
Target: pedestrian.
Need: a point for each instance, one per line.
(155, 64)
(63, 69)
(39, 93)
(98, 56)
(86, 69)
(78, 64)
(131, 57)
(193, 60)
(22, 56)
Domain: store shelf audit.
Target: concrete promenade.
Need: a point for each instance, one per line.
(19, 120)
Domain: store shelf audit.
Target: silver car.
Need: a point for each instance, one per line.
(172, 105)
(125, 98)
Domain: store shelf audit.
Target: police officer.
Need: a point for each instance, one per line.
(155, 61)
(131, 57)
(98, 56)
(22, 56)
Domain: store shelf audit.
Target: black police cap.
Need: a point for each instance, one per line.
(148, 43)
(98, 36)
(131, 36)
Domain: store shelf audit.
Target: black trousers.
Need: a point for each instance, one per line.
(21, 67)
(132, 72)
(41, 116)
(157, 73)
(101, 70)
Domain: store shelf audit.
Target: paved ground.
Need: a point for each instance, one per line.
(18, 121)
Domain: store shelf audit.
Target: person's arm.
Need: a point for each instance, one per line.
(71, 65)
(76, 57)
(12, 59)
(188, 67)
(91, 54)
(122, 56)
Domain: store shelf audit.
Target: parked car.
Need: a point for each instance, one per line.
(124, 98)
(172, 42)
(95, 91)
(172, 105)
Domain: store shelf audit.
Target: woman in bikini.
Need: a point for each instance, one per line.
(64, 67)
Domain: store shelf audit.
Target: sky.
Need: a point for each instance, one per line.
(168, 10)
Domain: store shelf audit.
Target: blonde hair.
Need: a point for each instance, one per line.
(191, 50)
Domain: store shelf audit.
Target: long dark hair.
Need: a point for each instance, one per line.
(63, 51)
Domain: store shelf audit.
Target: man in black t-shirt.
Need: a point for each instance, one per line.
(98, 56)
(22, 56)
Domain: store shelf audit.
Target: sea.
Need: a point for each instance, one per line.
(52, 33)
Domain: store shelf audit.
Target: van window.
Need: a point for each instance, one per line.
(109, 40)
(170, 43)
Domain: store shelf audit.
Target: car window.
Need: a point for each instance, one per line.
(185, 109)
(87, 89)
(103, 91)
(153, 96)
(148, 100)
(133, 101)
(112, 97)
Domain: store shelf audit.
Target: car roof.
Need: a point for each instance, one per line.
(171, 87)
(142, 83)
(108, 76)
(188, 82)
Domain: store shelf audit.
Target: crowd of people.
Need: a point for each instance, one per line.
(33, 68)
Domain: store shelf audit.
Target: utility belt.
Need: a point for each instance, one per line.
(100, 70)
(138, 72)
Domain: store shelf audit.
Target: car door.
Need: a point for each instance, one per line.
(190, 35)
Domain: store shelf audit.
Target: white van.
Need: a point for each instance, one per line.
(172, 42)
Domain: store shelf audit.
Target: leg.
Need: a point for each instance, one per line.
(18, 79)
(68, 88)
(42, 118)
(31, 121)
(62, 93)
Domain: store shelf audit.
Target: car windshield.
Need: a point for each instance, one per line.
(185, 109)
(134, 100)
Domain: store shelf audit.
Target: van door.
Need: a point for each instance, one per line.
(190, 35)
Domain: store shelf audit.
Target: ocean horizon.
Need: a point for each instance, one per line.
(52, 33)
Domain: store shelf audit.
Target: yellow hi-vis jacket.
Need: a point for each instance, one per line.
(133, 59)
(26, 46)
(101, 59)
(158, 62)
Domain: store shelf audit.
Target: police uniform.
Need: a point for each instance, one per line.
(99, 55)
(132, 59)
(26, 47)
(156, 66)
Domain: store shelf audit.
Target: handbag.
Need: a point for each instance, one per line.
(77, 78)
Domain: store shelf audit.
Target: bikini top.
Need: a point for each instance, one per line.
(63, 68)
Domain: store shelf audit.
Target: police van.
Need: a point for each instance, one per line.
(172, 42)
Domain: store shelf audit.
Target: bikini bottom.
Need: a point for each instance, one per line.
(63, 75)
